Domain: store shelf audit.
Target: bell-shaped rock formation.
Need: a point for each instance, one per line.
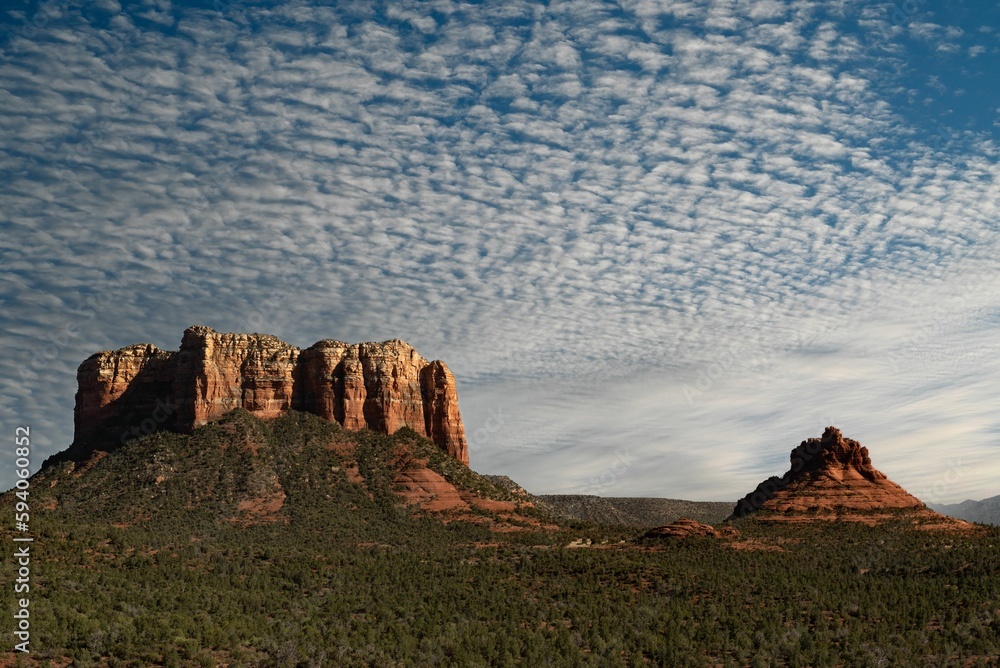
(380, 386)
(829, 477)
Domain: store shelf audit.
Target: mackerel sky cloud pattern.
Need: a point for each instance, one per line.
(682, 235)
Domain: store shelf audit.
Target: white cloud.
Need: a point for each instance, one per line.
(580, 210)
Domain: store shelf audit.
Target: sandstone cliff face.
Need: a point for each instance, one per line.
(219, 372)
(383, 386)
(380, 386)
(440, 403)
(829, 477)
(127, 386)
(370, 384)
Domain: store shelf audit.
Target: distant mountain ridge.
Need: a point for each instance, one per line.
(986, 511)
(617, 510)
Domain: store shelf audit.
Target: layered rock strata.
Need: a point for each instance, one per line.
(380, 386)
(683, 528)
(830, 477)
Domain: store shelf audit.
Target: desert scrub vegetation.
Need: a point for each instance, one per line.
(144, 560)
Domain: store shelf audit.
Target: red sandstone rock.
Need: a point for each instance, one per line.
(380, 386)
(830, 478)
(422, 488)
(332, 386)
(219, 372)
(374, 385)
(440, 401)
(383, 386)
(682, 528)
(127, 387)
(419, 485)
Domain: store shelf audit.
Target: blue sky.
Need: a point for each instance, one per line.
(659, 243)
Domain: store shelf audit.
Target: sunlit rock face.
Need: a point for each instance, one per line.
(831, 476)
(380, 386)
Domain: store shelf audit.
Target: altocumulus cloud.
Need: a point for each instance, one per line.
(693, 232)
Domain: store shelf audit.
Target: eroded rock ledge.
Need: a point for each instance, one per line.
(380, 386)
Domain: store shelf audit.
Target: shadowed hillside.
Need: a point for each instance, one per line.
(631, 511)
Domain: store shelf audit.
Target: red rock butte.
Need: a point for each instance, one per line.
(830, 478)
(380, 386)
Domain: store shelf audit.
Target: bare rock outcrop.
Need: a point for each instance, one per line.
(831, 477)
(421, 486)
(380, 386)
(130, 387)
(683, 528)
(440, 403)
(218, 372)
(374, 385)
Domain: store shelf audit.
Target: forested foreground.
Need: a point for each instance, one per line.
(343, 575)
(458, 596)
